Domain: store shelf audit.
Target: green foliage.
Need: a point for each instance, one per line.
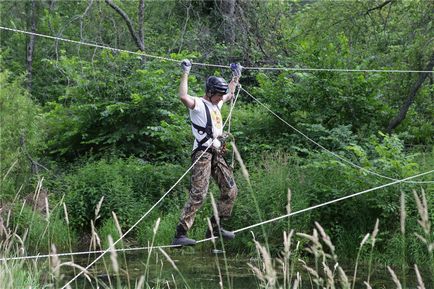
(107, 229)
(165, 231)
(129, 187)
(117, 104)
(22, 134)
(254, 130)
(43, 231)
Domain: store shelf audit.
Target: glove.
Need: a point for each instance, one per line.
(186, 65)
(236, 69)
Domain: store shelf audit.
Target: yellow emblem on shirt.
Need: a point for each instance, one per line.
(217, 119)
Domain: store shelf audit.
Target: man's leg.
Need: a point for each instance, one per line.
(224, 177)
(200, 175)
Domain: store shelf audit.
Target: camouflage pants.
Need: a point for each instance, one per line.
(210, 164)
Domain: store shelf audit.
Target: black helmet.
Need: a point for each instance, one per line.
(216, 84)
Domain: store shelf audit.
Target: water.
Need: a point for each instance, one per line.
(199, 268)
(196, 269)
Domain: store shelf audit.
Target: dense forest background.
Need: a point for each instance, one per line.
(81, 123)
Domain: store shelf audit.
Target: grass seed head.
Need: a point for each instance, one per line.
(420, 284)
(375, 232)
(403, 213)
(113, 255)
(394, 278)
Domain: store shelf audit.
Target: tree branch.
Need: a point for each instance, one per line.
(124, 15)
(82, 17)
(379, 6)
(410, 99)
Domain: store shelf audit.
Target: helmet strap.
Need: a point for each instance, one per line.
(209, 95)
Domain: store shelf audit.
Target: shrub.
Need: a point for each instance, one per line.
(21, 135)
(118, 105)
(43, 231)
(109, 228)
(129, 187)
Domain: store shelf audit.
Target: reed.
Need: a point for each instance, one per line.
(358, 258)
(250, 188)
(216, 216)
(155, 230)
(172, 263)
(330, 274)
(402, 218)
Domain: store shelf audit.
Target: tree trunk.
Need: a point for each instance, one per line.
(141, 17)
(410, 99)
(227, 8)
(31, 45)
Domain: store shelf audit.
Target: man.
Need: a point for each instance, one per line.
(207, 128)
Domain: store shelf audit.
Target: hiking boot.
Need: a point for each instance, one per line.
(181, 238)
(228, 235)
(183, 241)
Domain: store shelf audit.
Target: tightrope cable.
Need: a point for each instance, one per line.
(209, 64)
(324, 148)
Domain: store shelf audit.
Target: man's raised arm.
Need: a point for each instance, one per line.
(186, 99)
(236, 74)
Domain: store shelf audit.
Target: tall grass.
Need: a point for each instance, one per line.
(291, 269)
(330, 273)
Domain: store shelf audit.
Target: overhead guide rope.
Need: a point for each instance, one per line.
(213, 65)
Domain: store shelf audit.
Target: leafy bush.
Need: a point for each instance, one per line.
(43, 231)
(320, 178)
(117, 104)
(129, 187)
(329, 179)
(22, 135)
(107, 229)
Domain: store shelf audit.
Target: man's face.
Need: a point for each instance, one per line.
(216, 98)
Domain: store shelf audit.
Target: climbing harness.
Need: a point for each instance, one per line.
(206, 131)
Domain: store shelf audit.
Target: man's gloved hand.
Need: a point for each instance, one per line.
(236, 69)
(186, 65)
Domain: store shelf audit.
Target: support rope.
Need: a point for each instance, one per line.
(213, 65)
(236, 231)
(325, 149)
